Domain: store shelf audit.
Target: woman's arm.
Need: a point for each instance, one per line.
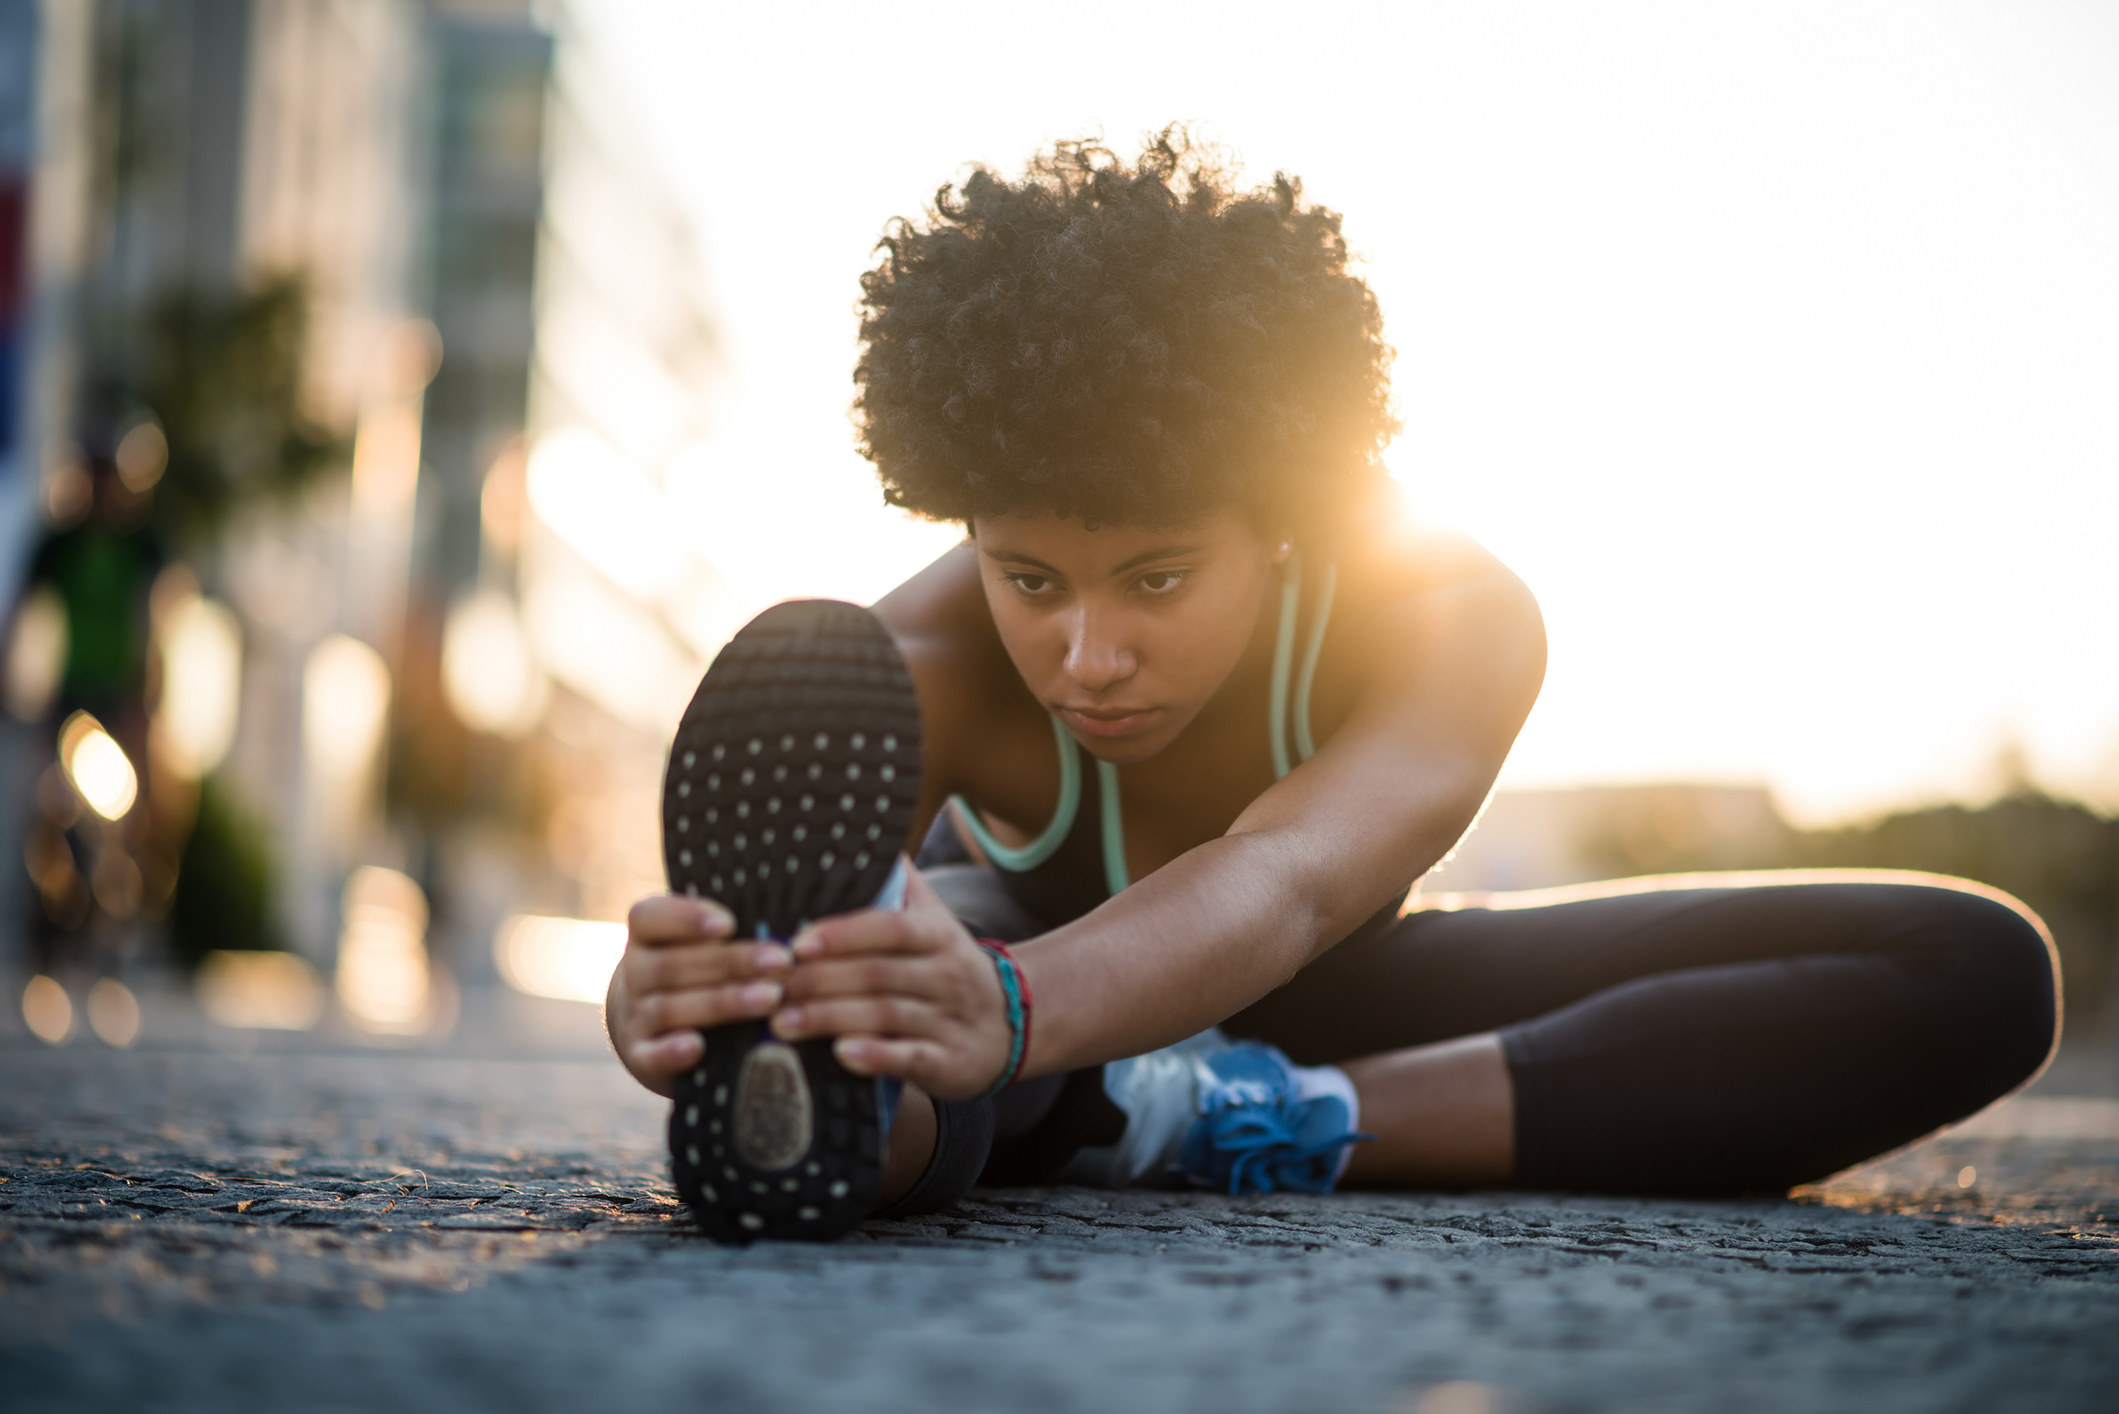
(1391, 791)
(1458, 658)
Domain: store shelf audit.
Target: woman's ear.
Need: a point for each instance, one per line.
(1283, 546)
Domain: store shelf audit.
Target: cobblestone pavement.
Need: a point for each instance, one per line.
(184, 1229)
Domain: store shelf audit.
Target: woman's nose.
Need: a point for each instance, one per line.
(1097, 656)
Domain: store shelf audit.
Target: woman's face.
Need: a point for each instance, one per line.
(1125, 632)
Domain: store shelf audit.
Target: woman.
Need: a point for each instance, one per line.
(1197, 712)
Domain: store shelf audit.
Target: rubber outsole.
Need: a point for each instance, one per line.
(790, 793)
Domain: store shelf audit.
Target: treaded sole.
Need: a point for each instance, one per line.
(790, 793)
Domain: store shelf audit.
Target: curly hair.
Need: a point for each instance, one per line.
(1122, 343)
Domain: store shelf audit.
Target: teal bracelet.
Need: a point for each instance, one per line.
(1015, 989)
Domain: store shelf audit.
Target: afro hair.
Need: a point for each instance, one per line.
(1134, 343)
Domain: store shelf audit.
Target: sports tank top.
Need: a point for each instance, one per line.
(1079, 860)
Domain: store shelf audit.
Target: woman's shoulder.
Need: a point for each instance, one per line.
(1391, 558)
(1421, 612)
(940, 620)
(968, 688)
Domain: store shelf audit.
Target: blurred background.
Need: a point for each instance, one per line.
(401, 400)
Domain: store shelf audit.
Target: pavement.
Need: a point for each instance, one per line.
(318, 1224)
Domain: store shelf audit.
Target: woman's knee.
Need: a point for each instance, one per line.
(2003, 978)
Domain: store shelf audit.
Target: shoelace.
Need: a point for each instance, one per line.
(1258, 1142)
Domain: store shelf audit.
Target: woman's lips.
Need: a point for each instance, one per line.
(1105, 723)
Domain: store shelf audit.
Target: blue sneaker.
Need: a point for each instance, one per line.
(1236, 1116)
(1257, 1132)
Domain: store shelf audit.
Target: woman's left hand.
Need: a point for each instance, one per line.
(907, 992)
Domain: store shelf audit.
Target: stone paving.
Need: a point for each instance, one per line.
(186, 1229)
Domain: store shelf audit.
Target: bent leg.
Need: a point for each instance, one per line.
(1699, 1039)
(940, 1148)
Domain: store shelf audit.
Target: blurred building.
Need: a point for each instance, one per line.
(432, 678)
(617, 604)
(19, 34)
(488, 130)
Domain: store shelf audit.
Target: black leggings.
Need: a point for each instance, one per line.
(1704, 1036)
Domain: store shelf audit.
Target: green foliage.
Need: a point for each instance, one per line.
(226, 883)
(224, 377)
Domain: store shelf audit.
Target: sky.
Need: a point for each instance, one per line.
(1776, 346)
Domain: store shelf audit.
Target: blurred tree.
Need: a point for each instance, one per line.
(225, 883)
(196, 411)
(223, 376)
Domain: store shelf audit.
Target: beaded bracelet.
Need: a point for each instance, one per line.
(1015, 988)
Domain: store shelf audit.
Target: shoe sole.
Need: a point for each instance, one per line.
(790, 794)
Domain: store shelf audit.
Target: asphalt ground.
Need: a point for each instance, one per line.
(319, 1225)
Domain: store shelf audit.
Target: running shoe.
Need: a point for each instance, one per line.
(789, 797)
(1265, 1125)
(1236, 1116)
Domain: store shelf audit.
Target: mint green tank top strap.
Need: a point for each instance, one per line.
(1019, 859)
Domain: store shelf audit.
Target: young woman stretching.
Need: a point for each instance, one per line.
(1183, 720)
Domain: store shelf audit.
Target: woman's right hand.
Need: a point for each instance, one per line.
(680, 975)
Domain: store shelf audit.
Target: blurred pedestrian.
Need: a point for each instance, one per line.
(97, 566)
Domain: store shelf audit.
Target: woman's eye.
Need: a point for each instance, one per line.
(1161, 581)
(1030, 583)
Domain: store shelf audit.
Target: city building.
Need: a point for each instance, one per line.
(499, 309)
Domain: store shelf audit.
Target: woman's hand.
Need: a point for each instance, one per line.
(908, 993)
(680, 975)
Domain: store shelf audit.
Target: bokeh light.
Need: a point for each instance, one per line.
(98, 767)
(345, 705)
(607, 510)
(491, 673)
(47, 1010)
(36, 654)
(142, 456)
(569, 959)
(383, 979)
(608, 647)
(260, 990)
(113, 1013)
(202, 679)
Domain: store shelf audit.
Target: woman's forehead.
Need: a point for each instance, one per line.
(1052, 539)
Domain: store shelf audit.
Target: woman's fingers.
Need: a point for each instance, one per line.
(666, 1055)
(703, 1008)
(678, 976)
(650, 969)
(673, 918)
(867, 976)
(869, 1015)
(877, 1055)
(907, 993)
(924, 924)
(872, 930)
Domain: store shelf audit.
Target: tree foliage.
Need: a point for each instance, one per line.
(223, 375)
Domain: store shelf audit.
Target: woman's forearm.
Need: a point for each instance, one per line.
(1195, 942)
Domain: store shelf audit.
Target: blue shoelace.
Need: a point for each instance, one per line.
(1249, 1142)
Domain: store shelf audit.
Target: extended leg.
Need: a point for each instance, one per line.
(1692, 1039)
(1443, 1115)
